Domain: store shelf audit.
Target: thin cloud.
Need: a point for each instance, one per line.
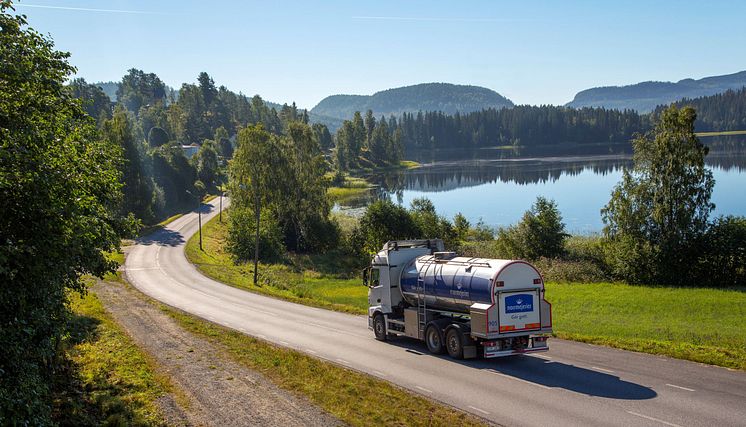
(85, 9)
(428, 19)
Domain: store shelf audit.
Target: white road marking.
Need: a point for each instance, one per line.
(262, 336)
(479, 410)
(653, 419)
(541, 356)
(242, 330)
(518, 379)
(602, 369)
(678, 386)
(308, 350)
(212, 319)
(342, 361)
(284, 342)
(379, 373)
(423, 389)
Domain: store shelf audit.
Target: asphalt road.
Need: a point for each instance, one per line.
(573, 384)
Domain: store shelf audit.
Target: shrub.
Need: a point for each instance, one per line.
(242, 234)
(430, 224)
(382, 221)
(723, 258)
(540, 233)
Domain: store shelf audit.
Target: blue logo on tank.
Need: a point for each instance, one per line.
(519, 303)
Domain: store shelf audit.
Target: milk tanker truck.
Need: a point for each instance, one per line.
(460, 305)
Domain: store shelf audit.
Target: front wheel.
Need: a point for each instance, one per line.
(379, 327)
(434, 339)
(455, 343)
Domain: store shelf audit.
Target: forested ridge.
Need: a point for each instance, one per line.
(721, 112)
(445, 97)
(646, 96)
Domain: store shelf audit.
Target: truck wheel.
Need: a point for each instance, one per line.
(434, 339)
(455, 343)
(379, 327)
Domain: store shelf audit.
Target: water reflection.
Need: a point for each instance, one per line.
(455, 181)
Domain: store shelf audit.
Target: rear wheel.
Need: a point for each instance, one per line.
(379, 327)
(455, 343)
(434, 339)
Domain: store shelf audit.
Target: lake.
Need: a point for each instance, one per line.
(498, 187)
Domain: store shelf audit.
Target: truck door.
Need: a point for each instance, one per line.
(375, 294)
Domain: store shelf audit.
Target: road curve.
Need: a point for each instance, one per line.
(573, 384)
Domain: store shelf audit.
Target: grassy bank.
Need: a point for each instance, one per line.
(311, 280)
(703, 325)
(355, 398)
(351, 189)
(104, 379)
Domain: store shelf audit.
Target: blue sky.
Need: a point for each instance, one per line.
(534, 52)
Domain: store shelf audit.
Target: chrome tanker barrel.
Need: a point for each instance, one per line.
(455, 283)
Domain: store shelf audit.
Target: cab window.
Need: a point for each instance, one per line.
(375, 275)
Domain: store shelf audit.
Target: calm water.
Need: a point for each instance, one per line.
(499, 190)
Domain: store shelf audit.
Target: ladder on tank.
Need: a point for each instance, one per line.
(421, 302)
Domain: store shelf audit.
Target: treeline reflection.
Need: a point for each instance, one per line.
(448, 174)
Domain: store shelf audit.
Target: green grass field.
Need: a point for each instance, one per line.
(704, 325)
(321, 287)
(105, 378)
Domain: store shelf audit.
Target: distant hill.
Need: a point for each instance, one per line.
(445, 97)
(645, 96)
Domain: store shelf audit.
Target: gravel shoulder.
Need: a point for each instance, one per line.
(215, 391)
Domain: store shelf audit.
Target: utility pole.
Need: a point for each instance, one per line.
(199, 215)
(256, 239)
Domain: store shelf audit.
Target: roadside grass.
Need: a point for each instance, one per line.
(104, 378)
(702, 325)
(322, 280)
(355, 398)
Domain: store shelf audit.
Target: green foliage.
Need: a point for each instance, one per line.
(139, 89)
(368, 142)
(723, 257)
(382, 221)
(430, 224)
(284, 176)
(157, 137)
(242, 234)
(95, 102)
(658, 214)
(138, 186)
(540, 233)
(206, 164)
(323, 136)
(59, 183)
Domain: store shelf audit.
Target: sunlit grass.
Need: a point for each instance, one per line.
(107, 379)
(322, 289)
(704, 325)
